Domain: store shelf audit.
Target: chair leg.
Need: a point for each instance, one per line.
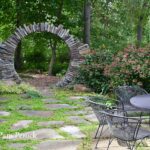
(149, 119)
(110, 141)
(99, 135)
(129, 145)
(141, 114)
(132, 146)
(97, 131)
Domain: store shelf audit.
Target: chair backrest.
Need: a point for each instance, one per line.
(121, 126)
(125, 93)
(96, 107)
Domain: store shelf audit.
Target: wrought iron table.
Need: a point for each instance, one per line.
(141, 101)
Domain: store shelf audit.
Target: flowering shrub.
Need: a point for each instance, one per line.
(91, 72)
(130, 66)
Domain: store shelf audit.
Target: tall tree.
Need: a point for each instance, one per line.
(18, 57)
(87, 21)
(138, 12)
(54, 42)
(109, 29)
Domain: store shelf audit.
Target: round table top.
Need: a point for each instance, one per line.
(141, 101)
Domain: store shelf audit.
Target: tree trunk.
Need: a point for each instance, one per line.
(53, 42)
(139, 33)
(87, 21)
(53, 58)
(18, 56)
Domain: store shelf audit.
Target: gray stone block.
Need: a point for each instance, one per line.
(57, 145)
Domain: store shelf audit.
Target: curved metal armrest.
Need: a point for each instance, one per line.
(105, 105)
(119, 116)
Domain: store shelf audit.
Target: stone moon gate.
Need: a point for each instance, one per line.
(8, 47)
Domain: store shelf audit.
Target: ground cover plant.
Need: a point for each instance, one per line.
(16, 102)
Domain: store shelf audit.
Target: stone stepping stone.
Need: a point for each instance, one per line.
(82, 103)
(51, 123)
(88, 109)
(57, 145)
(1, 121)
(81, 112)
(102, 145)
(40, 134)
(17, 146)
(91, 117)
(77, 97)
(78, 120)
(45, 92)
(25, 96)
(73, 131)
(47, 101)
(3, 99)
(21, 124)
(4, 113)
(36, 113)
(59, 106)
(24, 107)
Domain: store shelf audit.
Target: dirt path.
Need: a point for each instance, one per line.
(40, 80)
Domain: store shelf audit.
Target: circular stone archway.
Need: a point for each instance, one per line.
(8, 47)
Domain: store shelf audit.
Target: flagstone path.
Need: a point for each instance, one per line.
(47, 135)
(50, 135)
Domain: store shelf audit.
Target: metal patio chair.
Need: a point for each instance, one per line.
(97, 106)
(125, 93)
(126, 129)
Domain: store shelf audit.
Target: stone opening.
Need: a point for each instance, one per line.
(8, 47)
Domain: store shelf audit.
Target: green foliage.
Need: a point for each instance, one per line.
(62, 60)
(113, 26)
(130, 66)
(16, 89)
(109, 30)
(32, 94)
(137, 9)
(91, 72)
(60, 68)
(35, 52)
(7, 18)
(61, 74)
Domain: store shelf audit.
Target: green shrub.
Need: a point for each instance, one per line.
(61, 74)
(32, 94)
(60, 68)
(15, 88)
(36, 61)
(91, 72)
(130, 66)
